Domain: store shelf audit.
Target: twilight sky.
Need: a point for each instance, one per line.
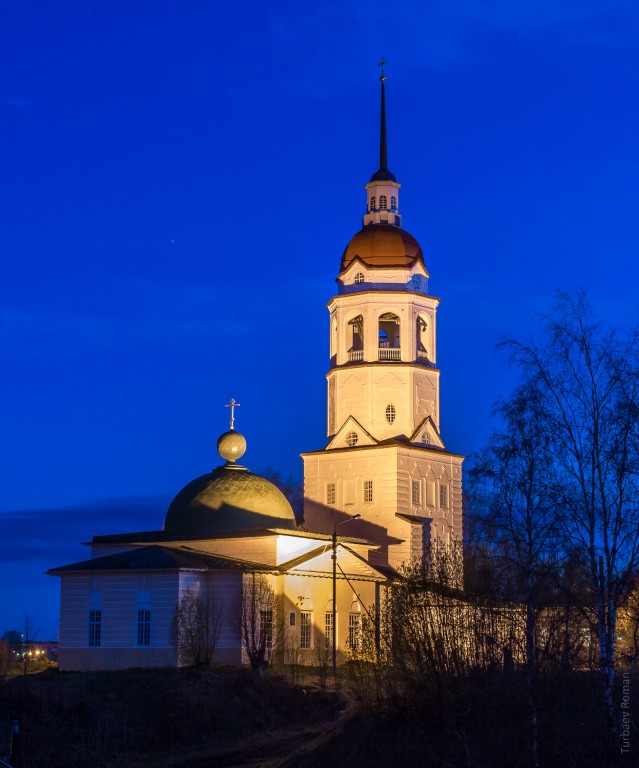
(179, 181)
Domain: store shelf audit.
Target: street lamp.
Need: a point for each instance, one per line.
(334, 627)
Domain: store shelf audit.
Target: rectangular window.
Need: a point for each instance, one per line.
(144, 627)
(330, 493)
(354, 631)
(328, 625)
(417, 492)
(291, 619)
(266, 628)
(305, 629)
(368, 490)
(95, 629)
(443, 496)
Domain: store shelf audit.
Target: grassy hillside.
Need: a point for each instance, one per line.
(229, 717)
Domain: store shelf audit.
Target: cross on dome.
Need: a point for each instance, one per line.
(232, 405)
(381, 64)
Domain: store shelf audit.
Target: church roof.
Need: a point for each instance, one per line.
(230, 498)
(382, 245)
(154, 558)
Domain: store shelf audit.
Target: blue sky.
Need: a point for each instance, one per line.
(180, 180)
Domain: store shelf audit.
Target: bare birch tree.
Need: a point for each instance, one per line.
(514, 496)
(196, 627)
(259, 621)
(587, 382)
(513, 492)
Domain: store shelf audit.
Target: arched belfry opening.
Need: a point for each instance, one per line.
(356, 351)
(421, 339)
(389, 344)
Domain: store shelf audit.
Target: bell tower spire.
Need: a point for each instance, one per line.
(382, 191)
(385, 459)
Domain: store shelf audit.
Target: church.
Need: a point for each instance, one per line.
(380, 493)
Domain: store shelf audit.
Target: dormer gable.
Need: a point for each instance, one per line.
(351, 435)
(427, 435)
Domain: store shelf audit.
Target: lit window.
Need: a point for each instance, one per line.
(359, 277)
(372, 207)
(368, 490)
(354, 631)
(351, 439)
(390, 413)
(443, 496)
(383, 203)
(330, 493)
(328, 629)
(144, 627)
(393, 202)
(266, 628)
(417, 492)
(305, 629)
(95, 629)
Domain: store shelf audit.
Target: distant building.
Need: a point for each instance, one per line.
(385, 471)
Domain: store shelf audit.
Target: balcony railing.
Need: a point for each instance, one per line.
(390, 353)
(356, 356)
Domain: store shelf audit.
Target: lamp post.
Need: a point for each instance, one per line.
(334, 627)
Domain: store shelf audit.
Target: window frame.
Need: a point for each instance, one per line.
(144, 628)
(368, 492)
(354, 630)
(266, 627)
(306, 630)
(416, 492)
(94, 638)
(328, 629)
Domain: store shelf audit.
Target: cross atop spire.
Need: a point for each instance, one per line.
(383, 174)
(232, 405)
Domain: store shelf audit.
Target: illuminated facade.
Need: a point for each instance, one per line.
(385, 465)
(223, 533)
(385, 459)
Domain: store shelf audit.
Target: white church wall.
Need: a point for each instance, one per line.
(118, 597)
(226, 587)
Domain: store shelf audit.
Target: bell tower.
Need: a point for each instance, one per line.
(385, 459)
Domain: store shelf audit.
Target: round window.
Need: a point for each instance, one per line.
(390, 413)
(351, 439)
(359, 277)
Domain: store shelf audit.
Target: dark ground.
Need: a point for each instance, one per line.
(229, 717)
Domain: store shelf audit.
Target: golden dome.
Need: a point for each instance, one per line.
(228, 499)
(382, 245)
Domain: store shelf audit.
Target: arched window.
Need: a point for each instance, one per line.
(393, 203)
(390, 413)
(372, 204)
(421, 338)
(383, 203)
(389, 348)
(356, 352)
(359, 277)
(425, 438)
(351, 439)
